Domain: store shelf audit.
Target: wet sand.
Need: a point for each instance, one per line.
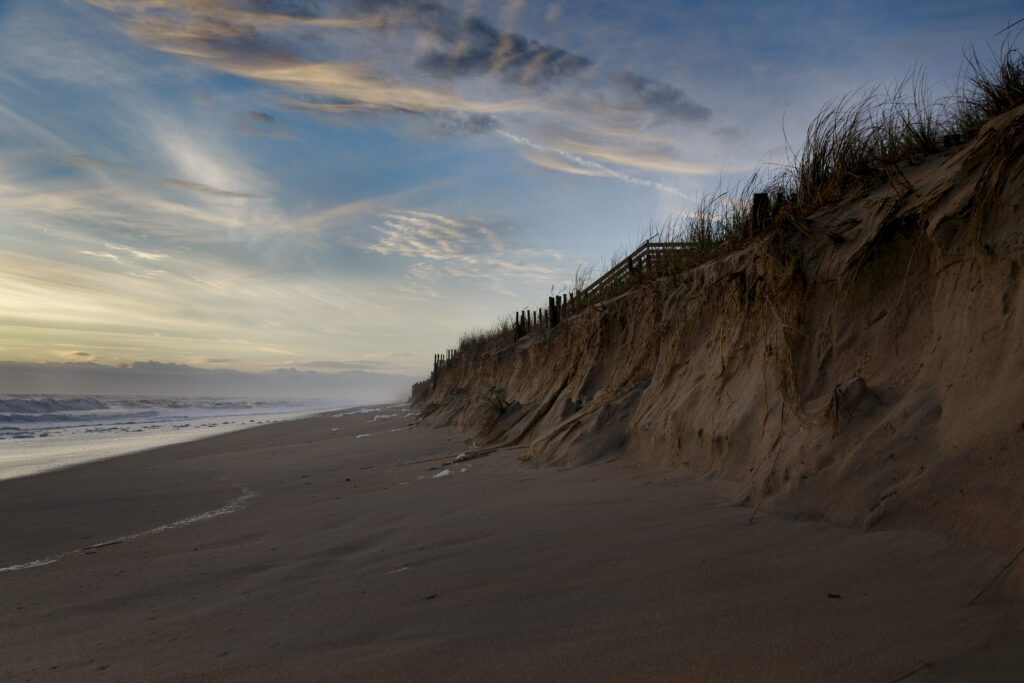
(333, 557)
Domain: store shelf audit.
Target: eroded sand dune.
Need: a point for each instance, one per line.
(865, 369)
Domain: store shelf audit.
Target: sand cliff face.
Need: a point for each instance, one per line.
(868, 368)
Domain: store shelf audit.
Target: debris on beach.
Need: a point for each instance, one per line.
(361, 436)
(442, 473)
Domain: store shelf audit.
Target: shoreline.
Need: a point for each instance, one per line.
(58, 452)
(353, 559)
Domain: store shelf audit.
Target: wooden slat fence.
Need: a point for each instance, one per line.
(651, 259)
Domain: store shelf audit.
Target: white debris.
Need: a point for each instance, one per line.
(442, 473)
(361, 436)
(358, 411)
(381, 418)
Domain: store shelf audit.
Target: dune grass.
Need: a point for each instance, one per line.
(855, 142)
(858, 141)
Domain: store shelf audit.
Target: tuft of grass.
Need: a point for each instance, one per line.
(854, 142)
(478, 339)
(862, 138)
(987, 89)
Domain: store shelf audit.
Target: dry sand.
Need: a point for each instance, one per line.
(352, 562)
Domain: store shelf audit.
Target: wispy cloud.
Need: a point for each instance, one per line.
(583, 166)
(458, 71)
(207, 190)
(462, 248)
(77, 356)
(339, 365)
(116, 252)
(261, 123)
(658, 98)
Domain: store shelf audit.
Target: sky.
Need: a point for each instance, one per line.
(349, 185)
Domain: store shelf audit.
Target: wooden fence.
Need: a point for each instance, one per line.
(650, 259)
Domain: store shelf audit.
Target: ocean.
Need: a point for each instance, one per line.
(40, 433)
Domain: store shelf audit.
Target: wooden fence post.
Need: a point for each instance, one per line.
(552, 313)
(759, 213)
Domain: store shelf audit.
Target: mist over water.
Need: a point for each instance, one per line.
(44, 432)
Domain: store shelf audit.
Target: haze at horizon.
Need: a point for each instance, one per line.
(340, 186)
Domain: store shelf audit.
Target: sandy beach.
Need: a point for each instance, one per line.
(330, 549)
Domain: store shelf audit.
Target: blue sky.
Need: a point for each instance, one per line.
(258, 184)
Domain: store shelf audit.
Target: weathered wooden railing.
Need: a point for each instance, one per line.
(651, 259)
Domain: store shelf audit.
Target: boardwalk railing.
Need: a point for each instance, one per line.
(650, 259)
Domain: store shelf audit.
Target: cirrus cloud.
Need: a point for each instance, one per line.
(422, 59)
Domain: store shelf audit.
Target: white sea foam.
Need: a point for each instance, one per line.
(28, 565)
(371, 409)
(40, 433)
(232, 506)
